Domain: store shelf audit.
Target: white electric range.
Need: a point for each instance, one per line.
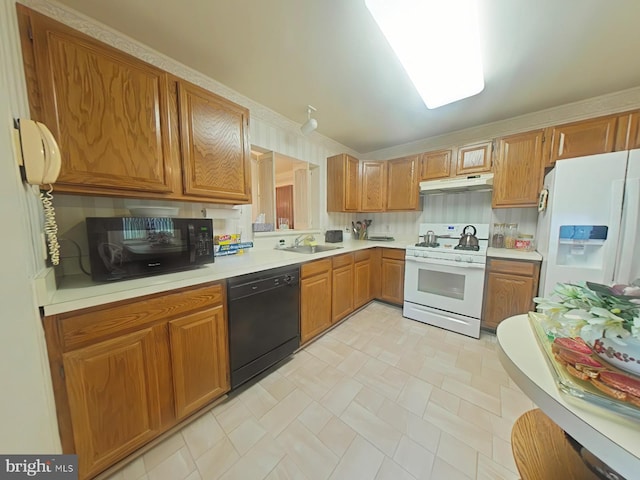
(443, 284)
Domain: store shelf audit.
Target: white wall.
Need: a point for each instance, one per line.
(27, 412)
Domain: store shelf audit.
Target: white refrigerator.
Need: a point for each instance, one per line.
(589, 230)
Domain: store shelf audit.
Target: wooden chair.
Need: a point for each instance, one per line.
(542, 452)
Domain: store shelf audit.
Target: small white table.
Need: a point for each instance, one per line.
(612, 437)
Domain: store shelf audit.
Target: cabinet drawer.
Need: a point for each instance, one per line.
(514, 267)
(362, 255)
(395, 253)
(314, 268)
(92, 324)
(342, 260)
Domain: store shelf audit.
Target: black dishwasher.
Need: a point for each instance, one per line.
(264, 320)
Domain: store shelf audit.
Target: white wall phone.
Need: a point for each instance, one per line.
(41, 161)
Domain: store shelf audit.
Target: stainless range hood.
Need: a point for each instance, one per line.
(458, 184)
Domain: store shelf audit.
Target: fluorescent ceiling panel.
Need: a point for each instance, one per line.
(437, 42)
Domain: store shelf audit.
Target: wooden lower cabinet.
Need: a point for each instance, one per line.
(362, 271)
(123, 373)
(510, 286)
(341, 287)
(198, 352)
(392, 276)
(114, 397)
(315, 298)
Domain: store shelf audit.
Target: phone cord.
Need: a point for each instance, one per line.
(50, 226)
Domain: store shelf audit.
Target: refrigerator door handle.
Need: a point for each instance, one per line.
(629, 234)
(617, 195)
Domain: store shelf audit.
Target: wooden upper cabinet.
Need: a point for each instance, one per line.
(215, 145)
(578, 139)
(434, 165)
(634, 131)
(402, 184)
(519, 170)
(628, 132)
(373, 186)
(343, 183)
(474, 159)
(200, 359)
(107, 110)
(114, 397)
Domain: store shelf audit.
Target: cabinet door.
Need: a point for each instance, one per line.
(628, 131)
(375, 278)
(352, 185)
(392, 287)
(107, 110)
(341, 292)
(361, 283)
(315, 305)
(577, 139)
(215, 146)
(506, 295)
(373, 186)
(200, 359)
(519, 170)
(474, 159)
(435, 165)
(634, 132)
(114, 397)
(402, 185)
(343, 183)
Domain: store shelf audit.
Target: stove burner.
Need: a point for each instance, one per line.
(429, 245)
(474, 248)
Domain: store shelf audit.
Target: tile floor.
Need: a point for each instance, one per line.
(379, 397)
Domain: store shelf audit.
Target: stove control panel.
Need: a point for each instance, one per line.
(450, 256)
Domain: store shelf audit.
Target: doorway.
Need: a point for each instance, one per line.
(284, 206)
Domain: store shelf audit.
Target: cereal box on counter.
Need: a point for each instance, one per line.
(229, 244)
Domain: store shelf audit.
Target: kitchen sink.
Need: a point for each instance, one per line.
(309, 248)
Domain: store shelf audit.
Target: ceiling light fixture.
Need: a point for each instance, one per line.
(311, 124)
(437, 42)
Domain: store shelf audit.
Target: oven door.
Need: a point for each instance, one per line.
(445, 285)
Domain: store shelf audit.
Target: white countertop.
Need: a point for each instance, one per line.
(513, 254)
(612, 437)
(78, 291)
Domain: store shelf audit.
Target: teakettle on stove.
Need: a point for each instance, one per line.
(468, 241)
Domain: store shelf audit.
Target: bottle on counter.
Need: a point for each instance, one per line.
(497, 240)
(510, 235)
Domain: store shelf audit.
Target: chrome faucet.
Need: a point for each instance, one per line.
(303, 238)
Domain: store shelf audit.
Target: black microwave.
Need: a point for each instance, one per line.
(121, 248)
